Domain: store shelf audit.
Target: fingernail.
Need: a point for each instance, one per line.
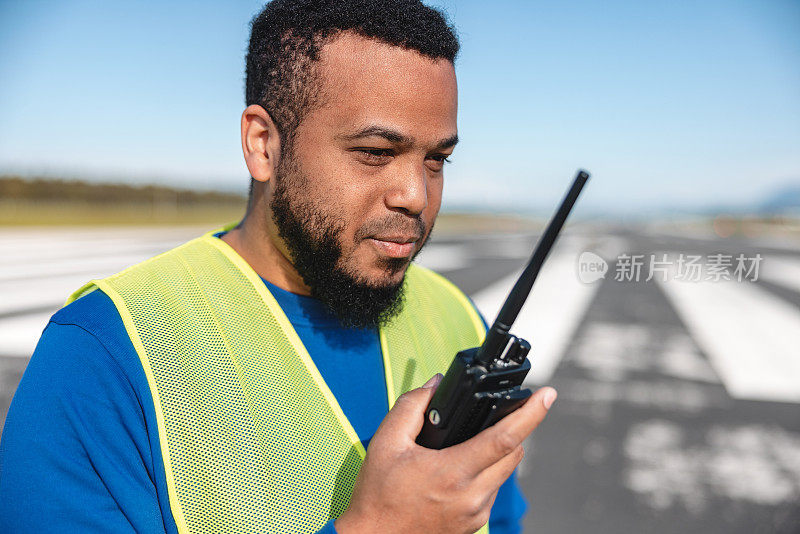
(433, 381)
(549, 398)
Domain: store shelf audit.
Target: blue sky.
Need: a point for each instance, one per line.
(683, 103)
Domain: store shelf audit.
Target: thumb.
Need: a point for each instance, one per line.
(404, 420)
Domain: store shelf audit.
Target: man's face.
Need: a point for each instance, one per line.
(362, 184)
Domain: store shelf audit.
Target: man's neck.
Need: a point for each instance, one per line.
(262, 251)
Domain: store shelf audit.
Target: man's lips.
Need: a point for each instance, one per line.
(394, 246)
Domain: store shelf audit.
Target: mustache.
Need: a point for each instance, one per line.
(395, 224)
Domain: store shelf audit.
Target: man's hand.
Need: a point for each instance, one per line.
(404, 487)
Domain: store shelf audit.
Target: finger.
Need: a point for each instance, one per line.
(491, 478)
(498, 441)
(492, 498)
(486, 509)
(405, 419)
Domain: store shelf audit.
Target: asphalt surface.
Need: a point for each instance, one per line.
(679, 401)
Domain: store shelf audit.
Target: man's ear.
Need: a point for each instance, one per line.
(261, 143)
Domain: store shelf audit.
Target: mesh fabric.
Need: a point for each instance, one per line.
(251, 437)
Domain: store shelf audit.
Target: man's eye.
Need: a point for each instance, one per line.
(376, 152)
(437, 162)
(374, 156)
(441, 158)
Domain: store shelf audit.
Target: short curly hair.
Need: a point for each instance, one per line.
(287, 35)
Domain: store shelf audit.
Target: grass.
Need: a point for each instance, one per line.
(49, 213)
(54, 202)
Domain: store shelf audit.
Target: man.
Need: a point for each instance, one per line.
(234, 383)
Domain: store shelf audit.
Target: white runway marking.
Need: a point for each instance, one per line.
(36, 294)
(94, 262)
(754, 463)
(782, 270)
(19, 335)
(40, 267)
(612, 352)
(442, 258)
(751, 336)
(551, 314)
(788, 244)
(50, 283)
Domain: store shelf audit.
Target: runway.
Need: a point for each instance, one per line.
(679, 380)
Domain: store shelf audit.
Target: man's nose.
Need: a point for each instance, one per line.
(408, 190)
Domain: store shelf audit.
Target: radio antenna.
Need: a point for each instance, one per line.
(497, 337)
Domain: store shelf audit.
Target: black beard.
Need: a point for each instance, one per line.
(312, 238)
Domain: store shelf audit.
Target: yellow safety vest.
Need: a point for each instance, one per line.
(251, 437)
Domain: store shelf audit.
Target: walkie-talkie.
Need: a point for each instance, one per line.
(483, 383)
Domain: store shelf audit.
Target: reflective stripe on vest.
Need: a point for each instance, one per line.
(251, 437)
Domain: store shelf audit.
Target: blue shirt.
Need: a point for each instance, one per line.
(80, 449)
